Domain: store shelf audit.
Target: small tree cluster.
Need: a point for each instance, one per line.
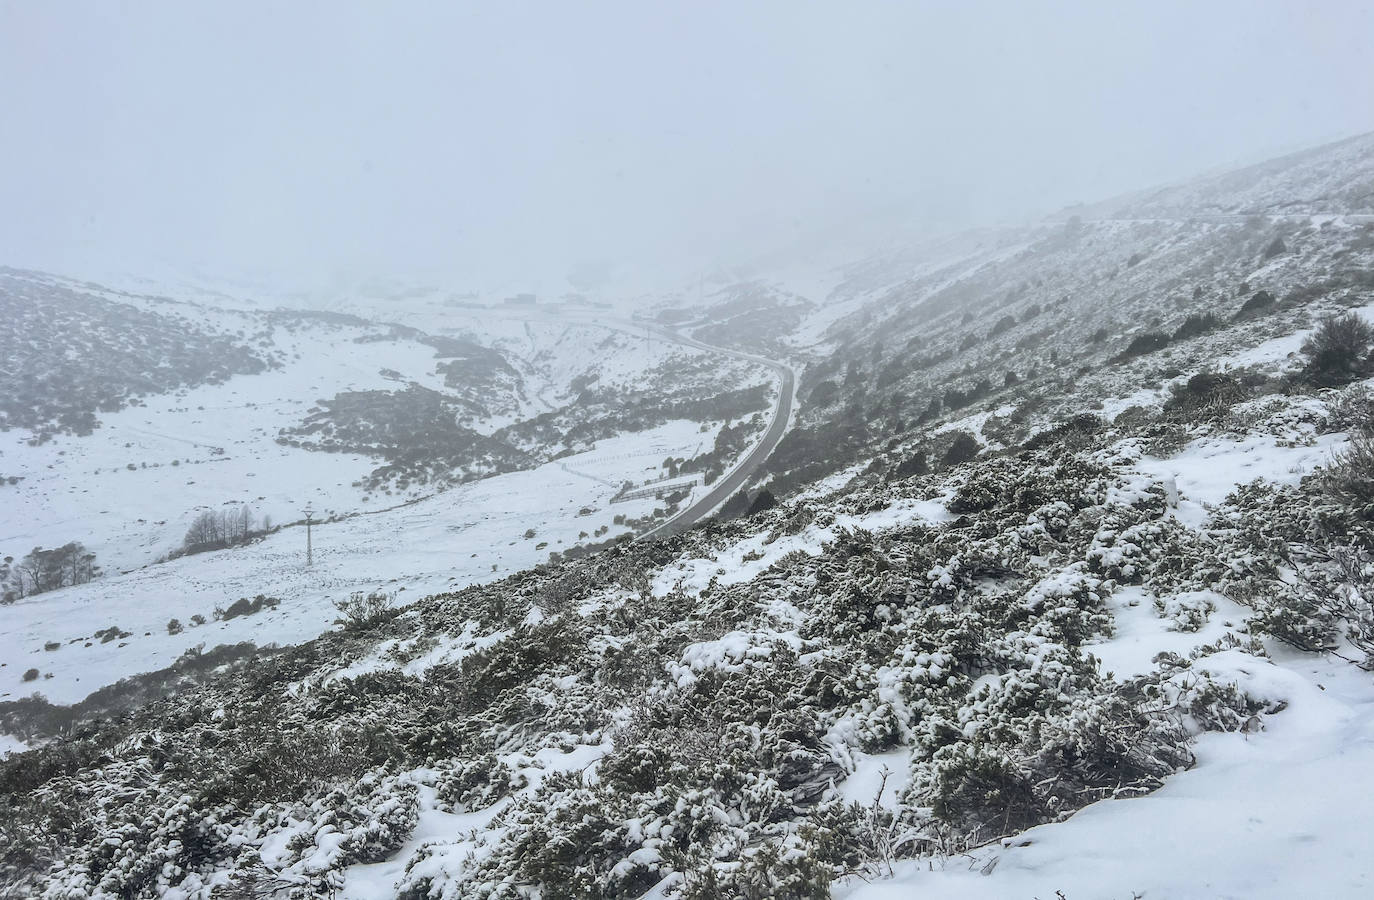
(214, 530)
(46, 570)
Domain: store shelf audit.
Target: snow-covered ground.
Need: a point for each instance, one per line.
(1279, 814)
(129, 490)
(1263, 815)
(472, 533)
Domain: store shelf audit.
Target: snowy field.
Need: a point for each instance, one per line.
(194, 450)
(468, 534)
(129, 490)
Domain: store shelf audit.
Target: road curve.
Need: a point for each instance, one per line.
(733, 480)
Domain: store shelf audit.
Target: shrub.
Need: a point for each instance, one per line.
(362, 610)
(762, 501)
(1206, 392)
(1076, 433)
(1295, 618)
(1145, 343)
(1338, 351)
(474, 784)
(737, 505)
(964, 448)
(1349, 479)
(174, 626)
(114, 632)
(1350, 410)
(1257, 304)
(245, 607)
(824, 393)
(1195, 325)
(915, 464)
(31, 675)
(977, 789)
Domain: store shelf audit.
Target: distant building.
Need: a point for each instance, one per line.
(520, 300)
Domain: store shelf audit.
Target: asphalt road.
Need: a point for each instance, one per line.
(733, 480)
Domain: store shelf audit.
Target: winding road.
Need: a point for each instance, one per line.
(735, 479)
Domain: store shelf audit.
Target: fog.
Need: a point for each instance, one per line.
(507, 145)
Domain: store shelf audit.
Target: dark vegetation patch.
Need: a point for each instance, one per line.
(69, 356)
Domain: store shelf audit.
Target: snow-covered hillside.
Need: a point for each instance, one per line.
(1060, 585)
(128, 487)
(467, 535)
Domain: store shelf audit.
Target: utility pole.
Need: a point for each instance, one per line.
(309, 550)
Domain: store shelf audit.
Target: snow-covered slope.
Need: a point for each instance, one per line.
(168, 449)
(1062, 587)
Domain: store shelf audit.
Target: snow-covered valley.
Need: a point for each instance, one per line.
(1057, 582)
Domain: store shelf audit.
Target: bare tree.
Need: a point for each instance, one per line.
(212, 530)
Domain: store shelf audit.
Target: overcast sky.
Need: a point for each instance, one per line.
(497, 143)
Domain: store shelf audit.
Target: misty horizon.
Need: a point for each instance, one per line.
(507, 149)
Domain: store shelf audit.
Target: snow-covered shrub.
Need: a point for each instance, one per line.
(1188, 611)
(1069, 606)
(364, 824)
(1349, 478)
(473, 784)
(1206, 396)
(364, 609)
(1077, 433)
(1339, 593)
(1160, 552)
(1337, 352)
(1350, 409)
(1164, 439)
(962, 448)
(1204, 704)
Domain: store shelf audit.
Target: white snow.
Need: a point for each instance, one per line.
(470, 534)
(1280, 814)
(877, 778)
(1141, 634)
(751, 556)
(1208, 469)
